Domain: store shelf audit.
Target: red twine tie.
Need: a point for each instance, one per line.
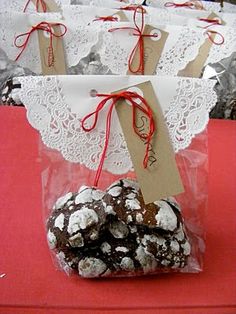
(43, 26)
(42, 2)
(106, 19)
(133, 8)
(209, 32)
(211, 22)
(137, 31)
(145, 109)
(188, 4)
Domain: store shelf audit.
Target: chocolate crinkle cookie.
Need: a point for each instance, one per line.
(224, 73)
(113, 233)
(9, 70)
(9, 94)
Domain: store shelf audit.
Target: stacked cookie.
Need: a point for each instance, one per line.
(98, 233)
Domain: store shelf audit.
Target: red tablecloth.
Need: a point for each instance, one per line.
(32, 285)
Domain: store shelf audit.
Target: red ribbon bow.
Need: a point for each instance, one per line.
(133, 8)
(131, 97)
(42, 2)
(188, 4)
(43, 26)
(211, 22)
(209, 32)
(137, 31)
(106, 19)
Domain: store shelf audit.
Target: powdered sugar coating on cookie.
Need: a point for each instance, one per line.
(81, 219)
(118, 229)
(132, 204)
(187, 248)
(91, 267)
(106, 248)
(88, 195)
(76, 240)
(148, 263)
(165, 217)
(52, 240)
(122, 249)
(59, 221)
(127, 264)
(63, 200)
(115, 191)
(131, 183)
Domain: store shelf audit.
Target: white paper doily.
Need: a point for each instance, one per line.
(56, 105)
(78, 40)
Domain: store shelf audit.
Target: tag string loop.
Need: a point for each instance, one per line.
(107, 18)
(211, 33)
(194, 4)
(112, 99)
(43, 26)
(38, 2)
(136, 31)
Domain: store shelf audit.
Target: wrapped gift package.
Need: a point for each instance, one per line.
(121, 93)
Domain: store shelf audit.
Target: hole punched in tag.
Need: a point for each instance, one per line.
(93, 93)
